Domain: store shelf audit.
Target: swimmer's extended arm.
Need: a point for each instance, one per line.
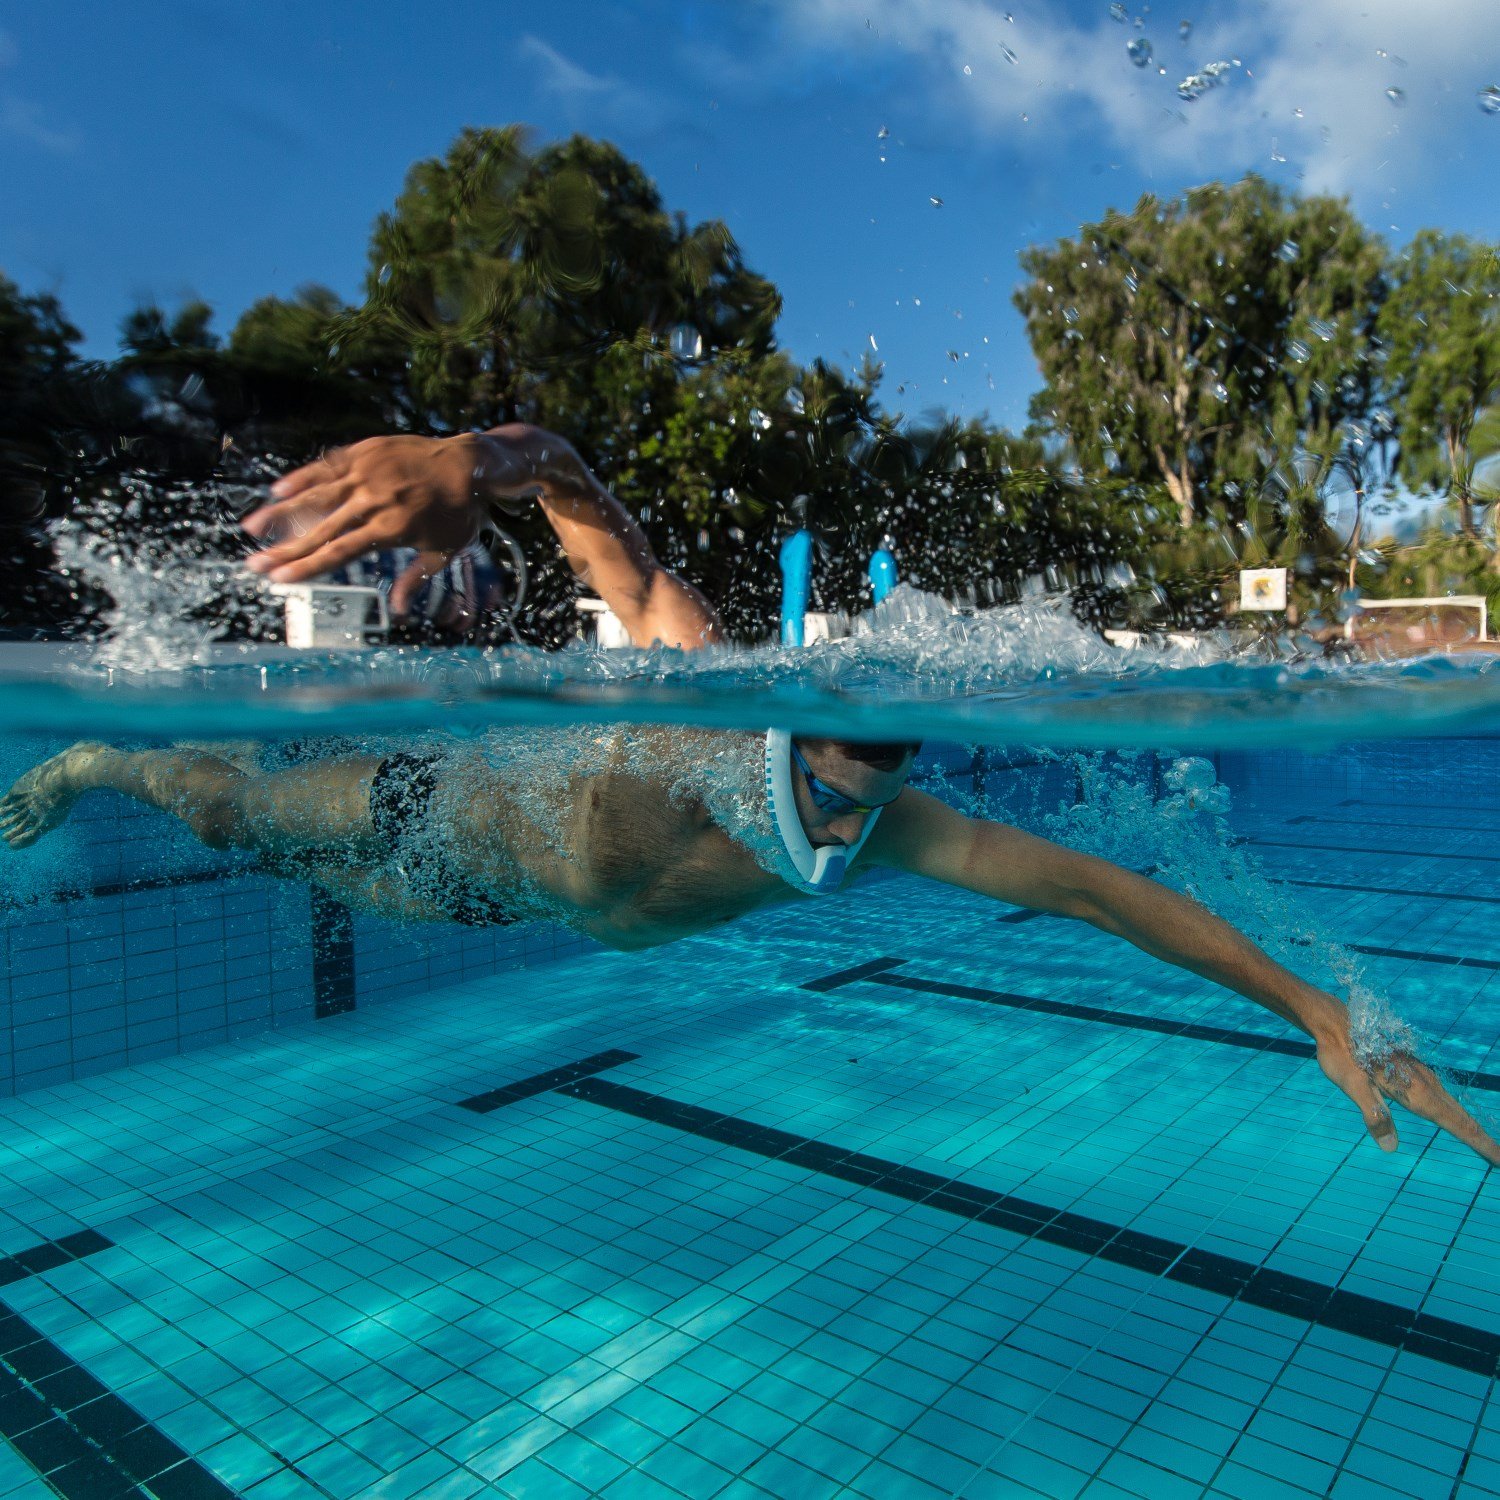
(435, 493)
(927, 837)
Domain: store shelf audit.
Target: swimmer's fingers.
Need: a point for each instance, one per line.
(344, 547)
(1416, 1086)
(333, 465)
(1339, 1065)
(297, 513)
(314, 533)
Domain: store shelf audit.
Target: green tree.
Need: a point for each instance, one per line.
(37, 346)
(502, 273)
(1441, 328)
(1194, 343)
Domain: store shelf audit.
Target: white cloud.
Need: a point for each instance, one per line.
(1330, 60)
(19, 117)
(594, 97)
(562, 76)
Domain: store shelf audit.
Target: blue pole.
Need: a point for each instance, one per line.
(882, 573)
(796, 575)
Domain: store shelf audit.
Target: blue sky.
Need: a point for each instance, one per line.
(233, 150)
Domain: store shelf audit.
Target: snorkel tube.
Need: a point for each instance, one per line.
(820, 869)
(796, 569)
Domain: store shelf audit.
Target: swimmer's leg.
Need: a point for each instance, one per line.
(323, 804)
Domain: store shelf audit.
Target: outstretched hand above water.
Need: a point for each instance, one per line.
(1401, 1077)
(401, 491)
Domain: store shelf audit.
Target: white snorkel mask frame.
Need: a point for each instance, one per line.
(820, 870)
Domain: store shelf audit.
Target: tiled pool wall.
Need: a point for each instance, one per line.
(1451, 773)
(155, 945)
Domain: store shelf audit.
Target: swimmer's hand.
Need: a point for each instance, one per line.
(429, 493)
(1401, 1077)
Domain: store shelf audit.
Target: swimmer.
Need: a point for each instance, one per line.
(610, 843)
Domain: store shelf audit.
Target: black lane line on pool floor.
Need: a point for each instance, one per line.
(545, 1083)
(1391, 890)
(1482, 859)
(1381, 1322)
(880, 972)
(332, 955)
(1400, 806)
(86, 1442)
(1453, 960)
(1406, 823)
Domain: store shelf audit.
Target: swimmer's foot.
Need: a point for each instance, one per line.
(44, 796)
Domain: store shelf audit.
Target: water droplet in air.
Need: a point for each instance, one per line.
(1489, 99)
(968, 71)
(1117, 11)
(1396, 96)
(883, 133)
(873, 344)
(1185, 30)
(1139, 48)
(685, 342)
(936, 202)
(1289, 251)
(1007, 54)
(1298, 352)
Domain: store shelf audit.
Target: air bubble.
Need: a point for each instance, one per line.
(685, 342)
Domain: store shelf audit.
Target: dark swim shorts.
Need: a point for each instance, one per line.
(401, 810)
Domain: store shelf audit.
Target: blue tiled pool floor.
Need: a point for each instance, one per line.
(324, 1276)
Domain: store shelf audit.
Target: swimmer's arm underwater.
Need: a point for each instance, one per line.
(925, 836)
(434, 494)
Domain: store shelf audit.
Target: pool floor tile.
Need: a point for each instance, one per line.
(328, 1279)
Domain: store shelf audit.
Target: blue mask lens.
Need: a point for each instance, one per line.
(824, 797)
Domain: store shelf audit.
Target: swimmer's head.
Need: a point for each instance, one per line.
(845, 781)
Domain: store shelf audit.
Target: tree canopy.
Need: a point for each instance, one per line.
(1215, 367)
(1201, 342)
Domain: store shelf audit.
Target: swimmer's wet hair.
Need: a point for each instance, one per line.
(881, 755)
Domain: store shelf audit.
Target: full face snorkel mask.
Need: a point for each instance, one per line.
(820, 869)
